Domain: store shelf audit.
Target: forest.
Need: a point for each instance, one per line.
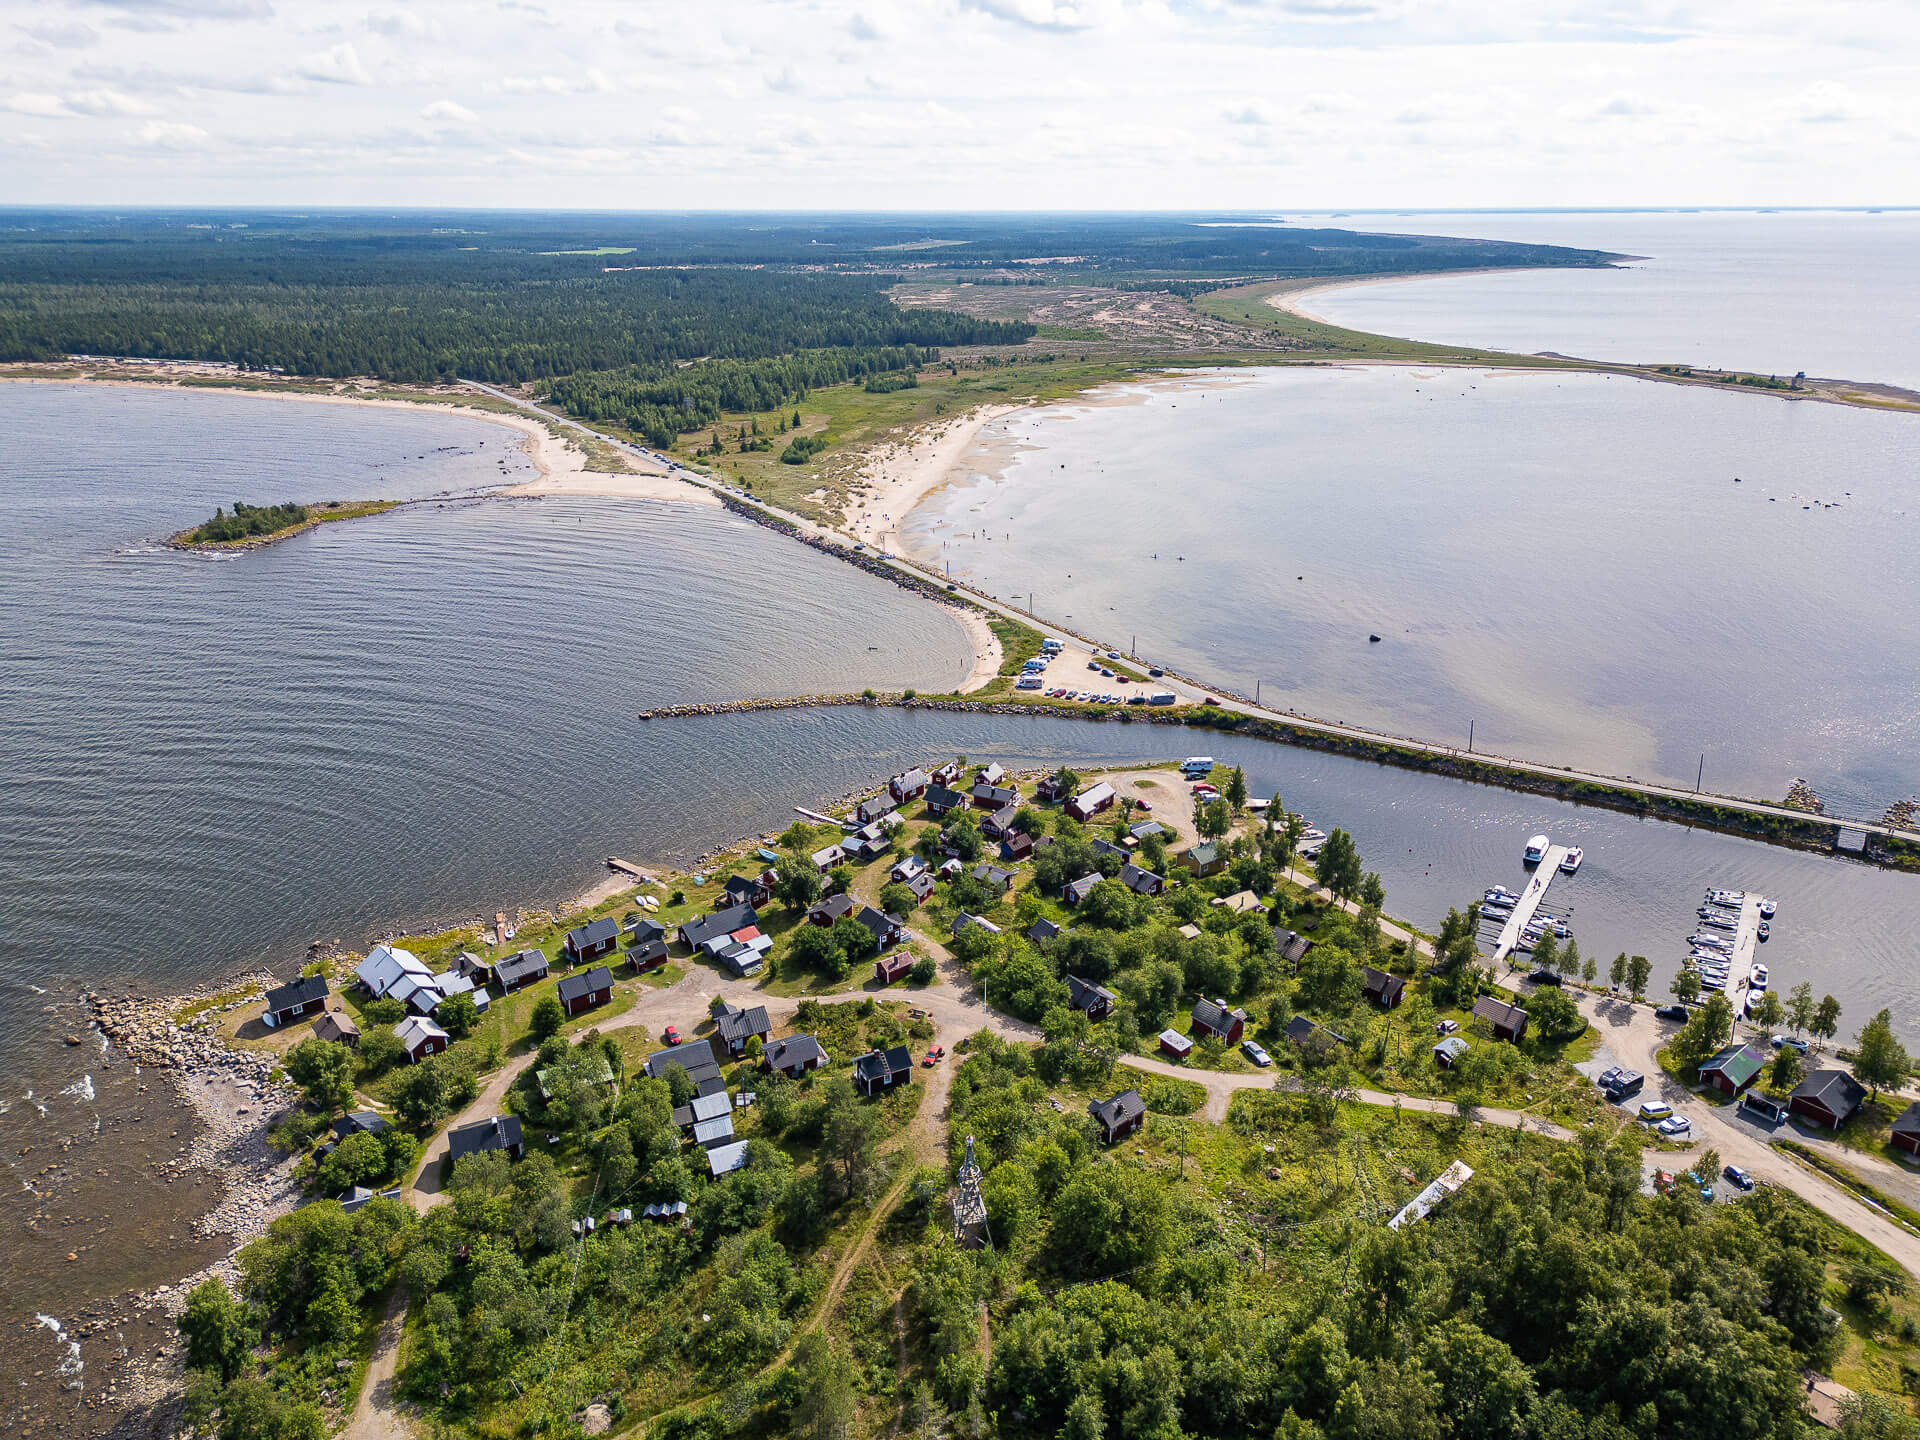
(515, 297)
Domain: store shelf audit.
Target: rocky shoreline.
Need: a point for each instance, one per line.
(233, 1098)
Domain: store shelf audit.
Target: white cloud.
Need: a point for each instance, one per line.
(37, 103)
(1050, 15)
(338, 65)
(107, 102)
(449, 110)
(402, 25)
(170, 135)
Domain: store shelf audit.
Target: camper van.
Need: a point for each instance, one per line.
(1194, 766)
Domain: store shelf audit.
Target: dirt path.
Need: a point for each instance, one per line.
(375, 1416)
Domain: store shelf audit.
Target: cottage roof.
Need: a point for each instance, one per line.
(882, 1064)
(642, 951)
(1203, 854)
(794, 1050)
(703, 1107)
(1836, 1090)
(702, 928)
(501, 1132)
(735, 1024)
(1453, 1047)
(1738, 1062)
(1139, 880)
(1042, 931)
(359, 1122)
(1173, 1039)
(725, 1159)
(991, 874)
(714, 1131)
(741, 889)
(416, 1030)
(834, 907)
(693, 1056)
(1093, 795)
(1909, 1121)
(1292, 946)
(295, 993)
(1242, 902)
(525, 965)
(1501, 1014)
(882, 926)
(587, 982)
(594, 932)
(387, 963)
(1300, 1029)
(1382, 986)
(1082, 993)
(336, 1025)
(992, 773)
(910, 780)
(942, 798)
(1122, 1108)
(1216, 1016)
(1078, 890)
(964, 920)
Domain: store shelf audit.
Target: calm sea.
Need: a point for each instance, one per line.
(1585, 570)
(1833, 293)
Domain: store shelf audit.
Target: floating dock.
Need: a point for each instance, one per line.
(1529, 901)
(1740, 971)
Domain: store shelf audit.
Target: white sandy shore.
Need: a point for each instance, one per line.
(899, 476)
(560, 462)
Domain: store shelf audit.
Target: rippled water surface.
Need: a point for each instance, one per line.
(1586, 570)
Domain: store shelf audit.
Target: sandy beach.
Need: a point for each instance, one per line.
(562, 463)
(899, 476)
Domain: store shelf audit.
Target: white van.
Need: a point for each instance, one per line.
(1194, 764)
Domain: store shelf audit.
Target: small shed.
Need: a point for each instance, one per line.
(1175, 1045)
(1906, 1130)
(337, 1025)
(1449, 1050)
(421, 1037)
(889, 968)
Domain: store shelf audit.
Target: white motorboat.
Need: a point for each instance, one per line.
(1537, 849)
(1727, 897)
(1571, 861)
(1758, 980)
(1767, 908)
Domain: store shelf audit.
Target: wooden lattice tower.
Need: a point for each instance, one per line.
(969, 1206)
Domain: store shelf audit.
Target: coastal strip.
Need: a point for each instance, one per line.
(1771, 824)
(316, 514)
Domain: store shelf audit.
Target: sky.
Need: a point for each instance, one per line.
(961, 104)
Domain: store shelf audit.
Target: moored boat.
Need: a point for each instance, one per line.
(1537, 849)
(1571, 861)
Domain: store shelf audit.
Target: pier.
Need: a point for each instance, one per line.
(1529, 901)
(1740, 971)
(627, 867)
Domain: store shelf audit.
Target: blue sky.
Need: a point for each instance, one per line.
(962, 104)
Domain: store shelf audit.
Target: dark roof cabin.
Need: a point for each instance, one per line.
(1214, 1018)
(1509, 1022)
(693, 1056)
(296, 999)
(1120, 1116)
(880, 1070)
(1096, 1001)
(794, 1055)
(644, 955)
(743, 890)
(1827, 1097)
(593, 939)
(501, 1132)
(584, 991)
(834, 907)
(1043, 933)
(522, 968)
(1906, 1130)
(734, 1026)
(702, 928)
(887, 930)
(941, 800)
(1383, 989)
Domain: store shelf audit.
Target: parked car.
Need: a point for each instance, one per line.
(1624, 1086)
(671, 1035)
(1155, 671)
(1673, 1012)
(1544, 977)
(1254, 1053)
(1608, 1077)
(1791, 1042)
(1651, 1110)
(1738, 1178)
(1675, 1125)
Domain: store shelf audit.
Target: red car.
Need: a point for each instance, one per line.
(671, 1035)
(1145, 805)
(934, 1056)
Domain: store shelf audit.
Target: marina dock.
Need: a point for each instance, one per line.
(1529, 901)
(1740, 972)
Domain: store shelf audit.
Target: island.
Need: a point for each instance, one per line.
(250, 526)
